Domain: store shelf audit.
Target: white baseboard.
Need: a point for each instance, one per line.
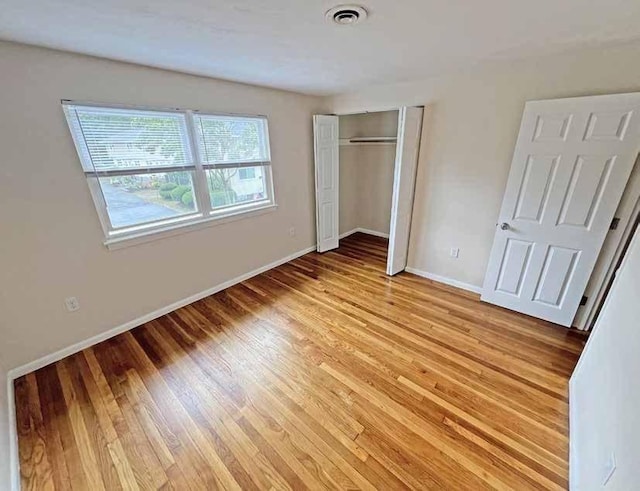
(347, 234)
(445, 280)
(364, 231)
(127, 326)
(373, 232)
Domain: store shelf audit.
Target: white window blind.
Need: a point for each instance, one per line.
(116, 139)
(151, 169)
(229, 140)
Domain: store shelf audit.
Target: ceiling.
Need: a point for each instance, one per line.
(288, 44)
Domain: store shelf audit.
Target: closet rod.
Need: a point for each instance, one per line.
(364, 140)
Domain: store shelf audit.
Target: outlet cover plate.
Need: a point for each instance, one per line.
(72, 304)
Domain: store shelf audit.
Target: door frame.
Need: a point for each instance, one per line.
(586, 316)
(376, 110)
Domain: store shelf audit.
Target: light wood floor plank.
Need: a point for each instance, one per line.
(323, 373)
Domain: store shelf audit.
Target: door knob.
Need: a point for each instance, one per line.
(505, 226)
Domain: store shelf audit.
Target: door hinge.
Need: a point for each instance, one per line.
(614, 224)
(583, 300)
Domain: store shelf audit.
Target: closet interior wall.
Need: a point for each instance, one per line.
(366, 172)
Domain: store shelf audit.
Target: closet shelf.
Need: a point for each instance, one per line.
(369, 140)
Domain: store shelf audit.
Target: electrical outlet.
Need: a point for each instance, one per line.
(609, 468)
(292, 231)
(455, 252)
(72, 304)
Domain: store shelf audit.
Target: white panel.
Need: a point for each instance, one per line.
(586, 188)
(326, 132)
(514, 266)
(558, 269)
(326, 169)
(607, 125)
(537, 180)
(552, 127)
(327, 221)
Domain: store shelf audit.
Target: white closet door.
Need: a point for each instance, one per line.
(571, 164)
(409, 129)
(325, 130)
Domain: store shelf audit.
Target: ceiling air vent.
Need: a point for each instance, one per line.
(346, 15)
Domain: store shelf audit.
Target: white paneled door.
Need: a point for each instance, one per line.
(409, 129)
(571, 163)
(325, 130)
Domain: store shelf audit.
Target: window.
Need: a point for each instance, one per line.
(247, 173)
(150, 170)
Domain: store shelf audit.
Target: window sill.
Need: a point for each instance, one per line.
(170, 230)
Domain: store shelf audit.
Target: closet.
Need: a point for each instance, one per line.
(367, 154)
(365, 177)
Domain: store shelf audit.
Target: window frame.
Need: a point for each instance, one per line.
(204, 214)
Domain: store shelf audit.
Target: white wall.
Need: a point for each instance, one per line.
(376, 187)
(51, 243)
(366, 172)
(604, 389)
(349, 189)
(468, 143)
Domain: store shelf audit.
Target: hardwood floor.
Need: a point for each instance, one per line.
(321, 373)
